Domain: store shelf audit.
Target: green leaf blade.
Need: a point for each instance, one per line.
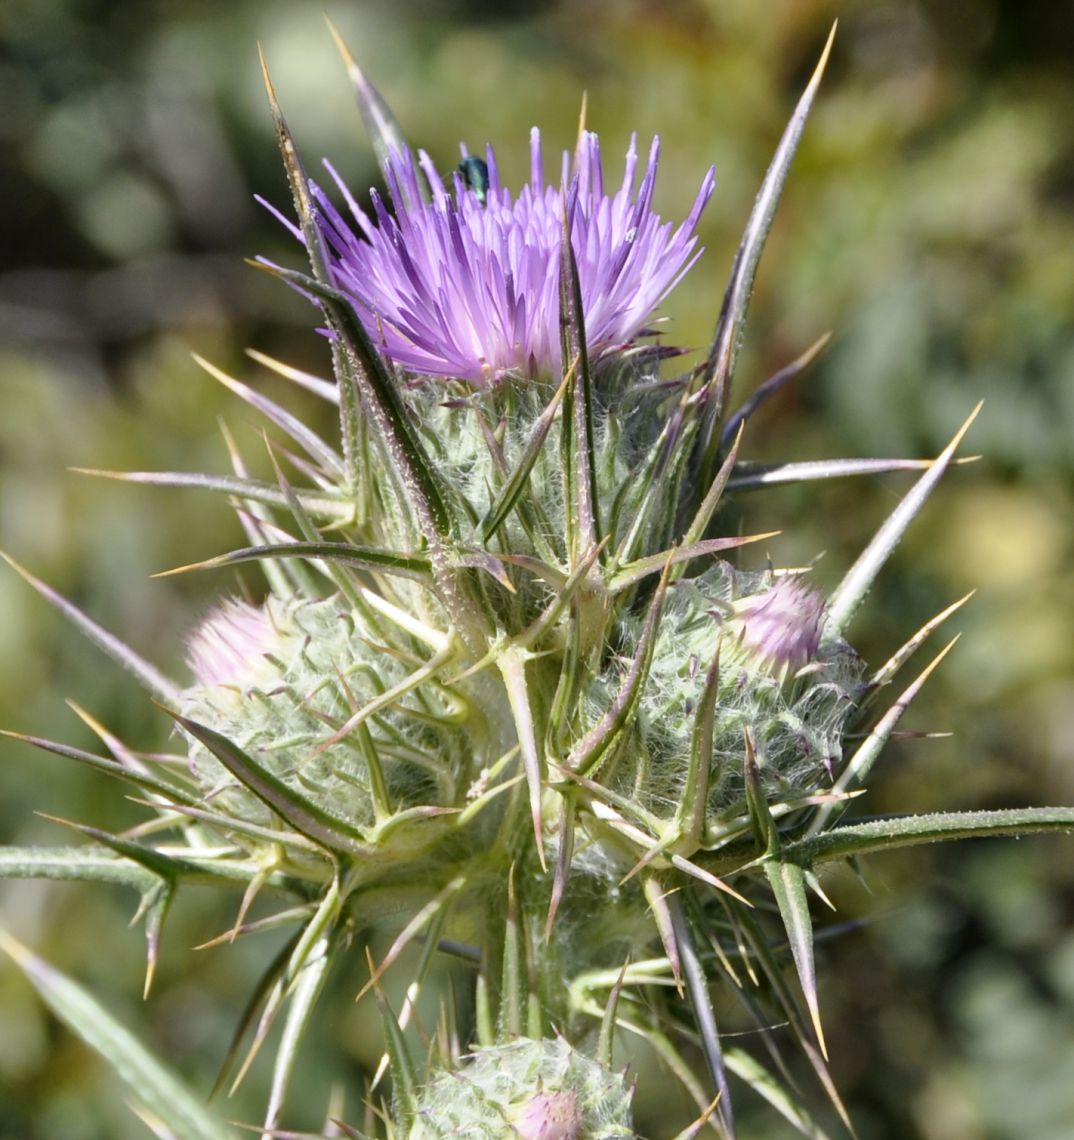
(145, 1074)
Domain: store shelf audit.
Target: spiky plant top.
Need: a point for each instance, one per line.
(505, 696)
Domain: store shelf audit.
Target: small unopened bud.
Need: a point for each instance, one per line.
(229, 646)
(782, 626)
(525, 1090)
(550, 1116)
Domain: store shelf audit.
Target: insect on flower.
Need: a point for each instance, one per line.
(474, 172)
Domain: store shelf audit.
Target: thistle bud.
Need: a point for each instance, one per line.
(282, 682)
(229, 648)
(532, 1090)
(761, 634)
(550, 1116)
(782, 626)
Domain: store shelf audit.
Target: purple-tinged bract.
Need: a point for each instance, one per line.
(466, 284)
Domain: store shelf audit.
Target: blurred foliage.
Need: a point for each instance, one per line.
(928, 223)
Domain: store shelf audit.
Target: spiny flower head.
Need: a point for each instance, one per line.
(466, 285)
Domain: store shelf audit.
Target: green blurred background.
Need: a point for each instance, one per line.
(928, 224)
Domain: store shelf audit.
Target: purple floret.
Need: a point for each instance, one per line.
(461, 288)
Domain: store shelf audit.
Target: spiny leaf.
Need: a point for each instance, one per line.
(788, 882)
(693, 804)
(418, 478)
(850, 592)
(404, 1077)
(754, 475)
(887, 671)
(350, 426)
(512, 984)
(323, 388)
(697, 988)
(589, 751)
(296, 176)
(512, 666)
(606, 1041)
(415, 469)
(233, 825)
(309, 440)
(707, 508)
(425, 673)
(287, 917)
(413, 566)
(657, 895)
(147, 674)
(169, 868)
(434, 908)
(488, 564)
(563, 861)
(860, 764)
(148, 1078)
(655, 484)
(342, 581)
(290, 805)
(432, 944)
(509, 494)
(771, 386)
(692, 1129)
(304, 997)
(578, 448)
(853, 839)
(322, 504)
(633, 572)
(141, 779)
(384, 132)
(747, 1068)
(285, 579)
(762, 821)
(756, 946)
(306, 948)
(82, 864)
(125, 756)
(92, 864)
(719, 365)
(266, 984)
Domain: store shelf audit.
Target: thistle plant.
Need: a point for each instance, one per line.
(513, 693)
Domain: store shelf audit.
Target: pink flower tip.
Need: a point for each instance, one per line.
(783, 625)
(550, 1116)
(229, 646)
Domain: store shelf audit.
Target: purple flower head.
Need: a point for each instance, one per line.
(466, 285)
(782, 626)
(229, 646)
